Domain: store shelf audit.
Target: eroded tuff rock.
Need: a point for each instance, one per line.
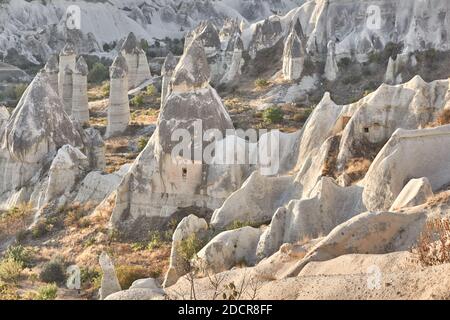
(189, 226)
(67, 59)
(159, 183)
(368, 233)
(167, 70)
(136, 58)
(229, 249)
(35, 131)
(52, 70)
(420, 153)
(110, 282)
(328, 206)
(293, 57)
(416, 192)
(80, 107)
(119, 106)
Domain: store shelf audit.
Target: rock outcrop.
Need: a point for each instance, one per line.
(190, 226)
(119, 106)
(52, 70)
(331, 67)
(136, 58)
(416, 192)
(67, 90)
(80, 107)
(293, 57)
(167, 70)
(162, 179)
(67, 58)
(405, 155)
(229, 249)
(110, 283)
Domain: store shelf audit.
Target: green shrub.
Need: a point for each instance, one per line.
(156, 240)
(53, 271)
(273, 115)
(128, 274)
(19, 254)
(40, 229)
(151, 90)
(261, 83)
(105, 89)
(138, 101)
(142, 143)
(188, 248)
(10, 270)
(344, 63)
(237, 224)
(98, 73)
(47, 292)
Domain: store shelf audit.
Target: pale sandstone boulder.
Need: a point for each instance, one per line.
(420, 153)
(229, 249)
(256, 201)
(95, 148)
(167, 69)
(97, 186)
(190, 225)
(67, 90)
(4, 116)
(293, 57)
(416, 192)
(367, 233)
(66, 169)
(110, 283)
(137, 294)
(136, 59)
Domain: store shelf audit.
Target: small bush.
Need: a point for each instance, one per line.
(53, 272)
(344, 63)
(40, 229)
(90, 277)
(444, 117)
(19, 254)
(261, 83)
(188, 248)
(105, 89)
(138, 101)
(237, 224)
(47, 292)
(128, 274)
(273, 115)
(98, 73)
(10, 270)
(156, 240)
(142, 143)
(151, 90)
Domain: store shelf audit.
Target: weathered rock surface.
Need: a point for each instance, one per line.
(138, 67)
(229, 249)
(416, 192)
(110, 283)
(189, 226)
(80, 107)
(407, 154)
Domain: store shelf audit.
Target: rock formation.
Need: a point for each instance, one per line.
(136, 58)
(266, 35)
(331, 67)
(169, 181)
(80, 107)
(119, 107)
(31, 138)
(233, 61)
(67, 58)
(293, 57)
(52, 70)
(166, 72)
(110, 283)
(189, 226)
(67, 90)
(416, 192)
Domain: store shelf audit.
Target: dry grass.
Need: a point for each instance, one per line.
(438, 199)
(15, 220)
(442, 119)
(433, 246)
(357, 168)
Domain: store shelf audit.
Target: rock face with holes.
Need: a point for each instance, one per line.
(119, 106)
(190, 226)
(163, 179)
(80, 107)
(136, 58)
(67, 90)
